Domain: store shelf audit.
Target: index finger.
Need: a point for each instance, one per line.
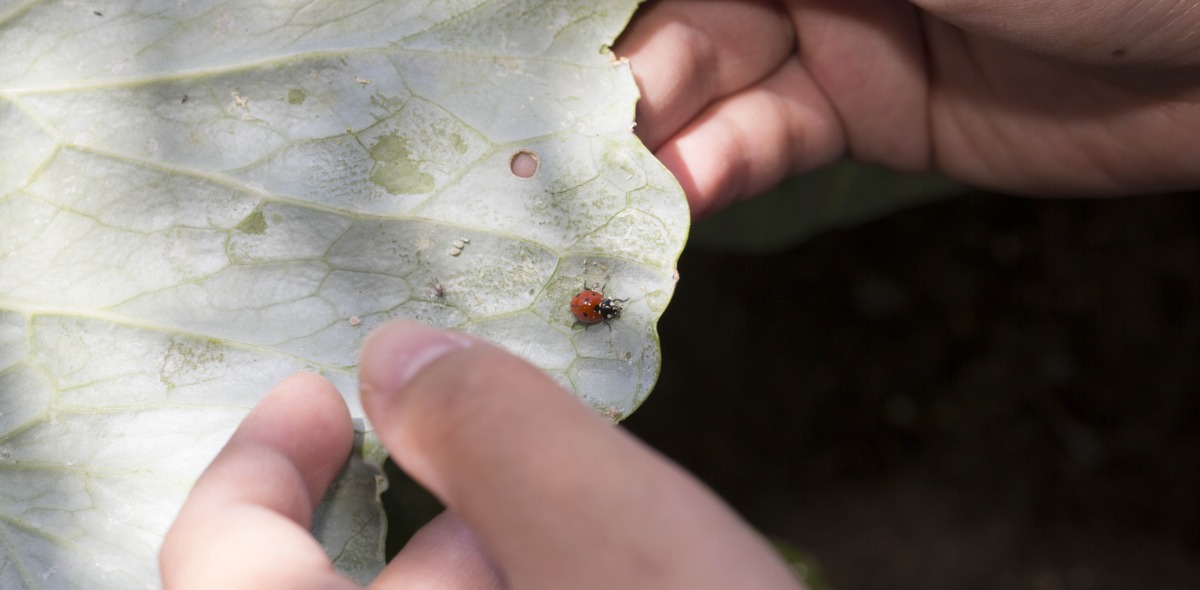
(246, 522)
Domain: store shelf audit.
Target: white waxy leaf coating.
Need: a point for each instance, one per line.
(200, 198)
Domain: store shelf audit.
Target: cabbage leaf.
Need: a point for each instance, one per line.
(198, 198)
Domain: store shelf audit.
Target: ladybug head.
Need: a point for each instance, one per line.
(610, 308)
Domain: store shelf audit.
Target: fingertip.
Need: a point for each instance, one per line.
(439, 400)
(746, 143)
(305, 419)
(284, 454)
(248, 515)
(684, 55)
(306, 396)
(393, 357)
(394, 353)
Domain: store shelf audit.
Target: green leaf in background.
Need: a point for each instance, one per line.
(200, 198)
(805, 205)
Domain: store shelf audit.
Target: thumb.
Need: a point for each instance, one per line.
(558, 497)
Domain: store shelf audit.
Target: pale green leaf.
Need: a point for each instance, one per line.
(200, 198)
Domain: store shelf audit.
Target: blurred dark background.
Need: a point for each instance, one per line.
(981, 392)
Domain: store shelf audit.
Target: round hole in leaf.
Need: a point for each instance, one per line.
(524, 164)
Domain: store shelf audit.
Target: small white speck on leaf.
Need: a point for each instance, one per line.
(239, 100)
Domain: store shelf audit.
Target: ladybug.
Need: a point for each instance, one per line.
(590, 306)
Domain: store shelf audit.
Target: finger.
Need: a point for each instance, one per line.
(869, 59)
(748, 142)
(559, 497)
(685, 54)
(246, 522)
(444, 555)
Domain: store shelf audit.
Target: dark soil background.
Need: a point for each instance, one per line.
(986, 392)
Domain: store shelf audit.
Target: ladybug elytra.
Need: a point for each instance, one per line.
(590, 306)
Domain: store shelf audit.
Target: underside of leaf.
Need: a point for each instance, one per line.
(198, 199)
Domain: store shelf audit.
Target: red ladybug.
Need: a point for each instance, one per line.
(589, 306)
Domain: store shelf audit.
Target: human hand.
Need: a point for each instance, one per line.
(1025, 96)
(542, 492)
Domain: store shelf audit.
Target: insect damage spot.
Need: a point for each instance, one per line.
(524, 164)
(395, 168)
(254, 223)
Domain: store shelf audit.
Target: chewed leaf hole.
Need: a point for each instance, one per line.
(524, 164)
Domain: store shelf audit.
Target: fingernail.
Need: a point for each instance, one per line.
(396, 352)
